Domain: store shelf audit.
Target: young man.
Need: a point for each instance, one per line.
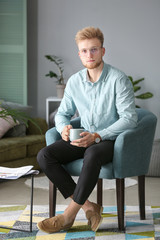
(104, 98)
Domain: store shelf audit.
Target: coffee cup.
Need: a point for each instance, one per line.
(75, 133)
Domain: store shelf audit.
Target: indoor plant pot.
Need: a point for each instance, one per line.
(60, 79)
(60, 90)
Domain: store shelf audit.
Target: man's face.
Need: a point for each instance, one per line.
(91, 52)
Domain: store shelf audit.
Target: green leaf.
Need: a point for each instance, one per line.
(136, 88)
(52, 74)
(49, 57)
(145, 95)
(137, 81)
(130, 78)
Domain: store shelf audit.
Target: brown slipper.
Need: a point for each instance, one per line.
(95, 219)
(54, 224)
(97, 209)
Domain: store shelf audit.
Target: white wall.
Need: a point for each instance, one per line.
(132, 41)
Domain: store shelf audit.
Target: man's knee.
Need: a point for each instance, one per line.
(92, 152)
(41, 159)
(91, 157)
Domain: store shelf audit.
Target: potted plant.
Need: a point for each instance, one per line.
(145, 95)
(60, 79)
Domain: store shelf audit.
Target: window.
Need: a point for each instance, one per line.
(13, 51)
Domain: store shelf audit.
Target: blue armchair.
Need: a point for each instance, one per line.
(132, 152)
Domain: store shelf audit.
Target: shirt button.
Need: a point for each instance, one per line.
(92, 128)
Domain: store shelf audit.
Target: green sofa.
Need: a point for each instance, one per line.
(22, 150)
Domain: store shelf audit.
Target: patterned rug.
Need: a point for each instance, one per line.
(18, 217)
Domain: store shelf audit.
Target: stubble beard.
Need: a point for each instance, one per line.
(93, 65)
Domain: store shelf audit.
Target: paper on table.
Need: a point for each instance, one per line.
(15, 173)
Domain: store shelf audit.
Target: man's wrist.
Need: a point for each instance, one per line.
(97, 138)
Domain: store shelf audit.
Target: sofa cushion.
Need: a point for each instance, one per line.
(22, 162)
(33, 144)
(11, 149)
(20, 147)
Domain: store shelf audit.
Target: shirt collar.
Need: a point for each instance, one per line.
(102, 76)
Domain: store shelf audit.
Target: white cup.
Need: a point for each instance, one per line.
(75, 133)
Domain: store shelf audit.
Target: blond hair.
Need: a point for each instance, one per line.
(89, 33)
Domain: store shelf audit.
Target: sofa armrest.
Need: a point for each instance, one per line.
(33, 130)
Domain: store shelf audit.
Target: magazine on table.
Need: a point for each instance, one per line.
(15, 173)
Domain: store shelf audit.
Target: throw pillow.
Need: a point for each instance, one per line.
(6, 124)
(16, 131)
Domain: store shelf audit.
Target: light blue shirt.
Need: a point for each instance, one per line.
(106, 107)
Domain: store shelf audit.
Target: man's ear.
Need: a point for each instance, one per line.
(103, 51)
(79, 54)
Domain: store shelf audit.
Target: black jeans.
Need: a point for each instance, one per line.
(52, 157)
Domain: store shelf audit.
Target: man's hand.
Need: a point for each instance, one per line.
(86, 140)
(65, 132)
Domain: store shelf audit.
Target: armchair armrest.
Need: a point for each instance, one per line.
(52, 135)
(133, 147)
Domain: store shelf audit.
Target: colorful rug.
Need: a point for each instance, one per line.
(18, 217)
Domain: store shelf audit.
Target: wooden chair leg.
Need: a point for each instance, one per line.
(120, 203)
(52, 199)
(141, 194)
(100, 192)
